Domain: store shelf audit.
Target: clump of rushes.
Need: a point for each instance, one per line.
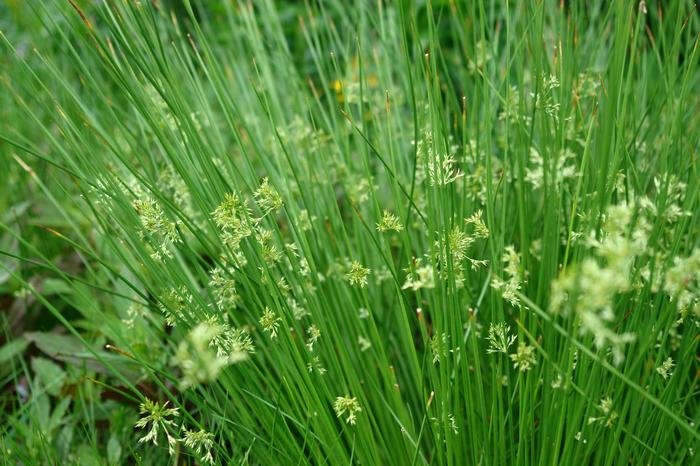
(392, 233)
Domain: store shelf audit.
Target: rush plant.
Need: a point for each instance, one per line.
(329, 232)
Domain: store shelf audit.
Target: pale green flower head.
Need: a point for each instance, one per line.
(267, 197)
(347, 405)
(389, 222)
(270, 322)
(357, 275)
(159, 417)
(201, 442)
(524, 358)
(499, 338)
(197, 358)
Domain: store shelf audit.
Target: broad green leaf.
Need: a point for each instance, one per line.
(49, 374)
(11, 349)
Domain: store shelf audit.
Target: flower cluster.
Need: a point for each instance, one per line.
(232, 216)
(270, 322)
(159, 417)
(420, 276)
(509, 288)
(435, 165)
(232, 343)
(499, 338)
(196, 360)
(267, 197)
(201, 442)
(389, 222)
(524, 358)
(665, 370)
(176, 304)
(451, 248)
(682, 281)
(357, 274)
(559, 168)
(609, 414)
(313, 334)
(223, 287)
(476, 221)
(346, 404)
(589, 290)
(156, 226)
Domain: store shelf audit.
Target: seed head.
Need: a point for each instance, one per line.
(364, 343)
(665, 370)
(157, 416)
(314, 334)
(389, 222)
(201, 442)
(197, 360)
(357, 275)
(422, 277)
(346, 404)
(499, 338)
(223, 287)
(270, 322)
(480, 228)
(315, 365)
(231, 216)
(524, 358)
(267, 197)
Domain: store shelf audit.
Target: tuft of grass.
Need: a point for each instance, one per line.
(350, 232)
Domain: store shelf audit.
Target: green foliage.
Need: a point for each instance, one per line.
(339, 233)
